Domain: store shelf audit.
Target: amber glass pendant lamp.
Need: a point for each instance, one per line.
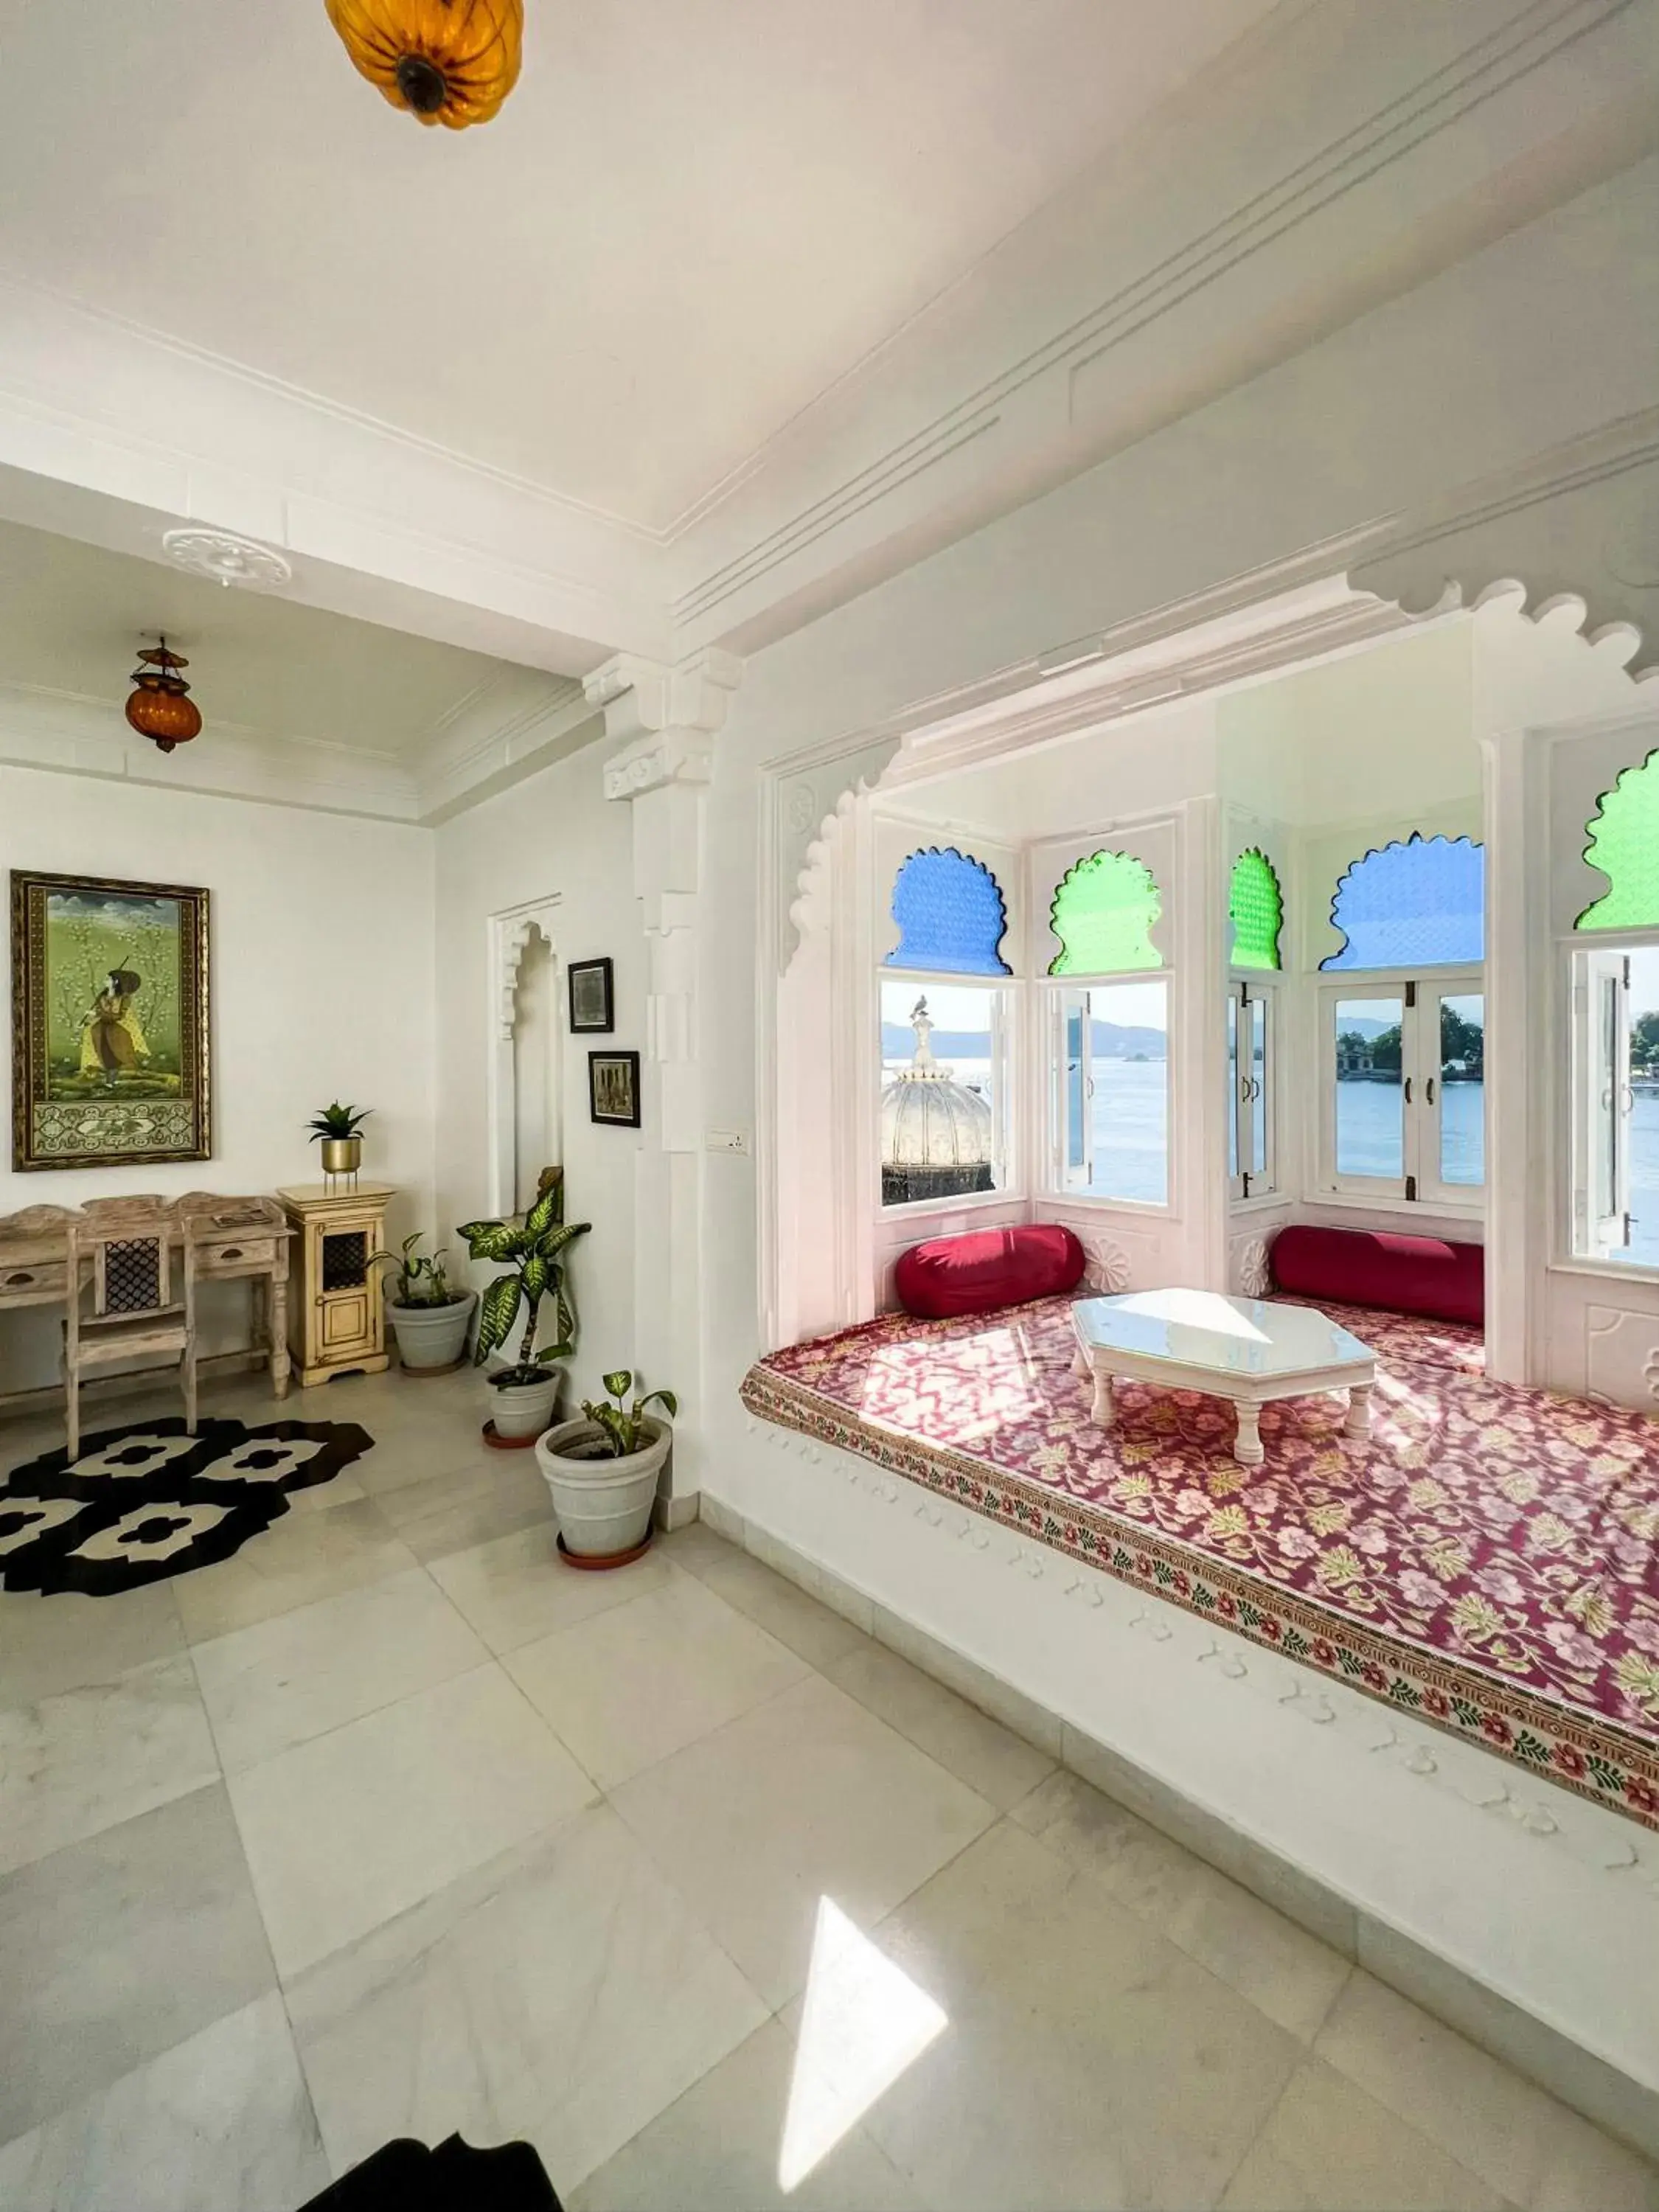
(452, 62)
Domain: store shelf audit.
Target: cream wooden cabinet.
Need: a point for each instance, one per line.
(337, 1317)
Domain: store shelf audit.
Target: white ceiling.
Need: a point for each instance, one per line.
(72, 617)
(692, 218)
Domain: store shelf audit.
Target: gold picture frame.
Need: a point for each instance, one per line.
(111, 1031)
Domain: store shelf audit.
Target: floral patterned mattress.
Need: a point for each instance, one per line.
(1488, 1559)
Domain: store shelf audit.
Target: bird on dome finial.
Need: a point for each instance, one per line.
(922, 1023)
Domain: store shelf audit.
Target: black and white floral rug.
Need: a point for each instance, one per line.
(142, 1503)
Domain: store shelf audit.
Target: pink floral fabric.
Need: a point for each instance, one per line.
(1489, 1558)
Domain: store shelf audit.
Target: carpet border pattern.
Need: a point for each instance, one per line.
(1577, 1751)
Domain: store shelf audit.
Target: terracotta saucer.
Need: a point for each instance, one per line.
(612, 1559)
(506, 1443)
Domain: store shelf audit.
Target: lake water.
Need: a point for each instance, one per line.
(1131, 1157)
(1370, 1128)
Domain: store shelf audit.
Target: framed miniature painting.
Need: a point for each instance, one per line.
(613, 1088)
(110, 1023)
(592, 1004)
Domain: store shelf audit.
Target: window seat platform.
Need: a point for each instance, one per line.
(1488, 1560)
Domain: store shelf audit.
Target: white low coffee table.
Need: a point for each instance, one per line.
(1248, 1351)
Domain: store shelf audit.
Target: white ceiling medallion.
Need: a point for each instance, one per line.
(226, 558)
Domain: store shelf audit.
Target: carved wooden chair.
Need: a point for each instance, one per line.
(131, 1295)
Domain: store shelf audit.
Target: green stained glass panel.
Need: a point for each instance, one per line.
(1257, 911)
(1102, 914)
(1623, 844)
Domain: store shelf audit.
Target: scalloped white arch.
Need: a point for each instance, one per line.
(510, 935)
(1395, 589)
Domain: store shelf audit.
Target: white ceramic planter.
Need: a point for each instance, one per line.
(604, 1505)
(430, 1337)
(523, 1409)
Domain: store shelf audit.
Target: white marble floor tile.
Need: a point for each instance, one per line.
(1086, 2060)
(1526, 2146)
(717, 2149)
(343, 1489)
(441, 1514)
(643, 1680)
(83, 1759)
(783, 1608)
(806, 1796)
(67, 1641)
(981, 1752)
(1329, 2148)
(563, 1994)
(300, 1559)
(699, 1546)
(516, 1588)
(114, 1949)
(1290, 1975)
(289, 1679)
(222, 2122)
(345, 1831)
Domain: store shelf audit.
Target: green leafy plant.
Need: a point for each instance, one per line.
(624, 1424)
(338, 1120)
(530, 1248)
(421, 1280)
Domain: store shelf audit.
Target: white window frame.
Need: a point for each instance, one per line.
(1246, 988)
(1007, 1030)
(1599, 1205)
(1418, 992)
(1056, 991)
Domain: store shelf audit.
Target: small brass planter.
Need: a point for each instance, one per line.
(342, 1155)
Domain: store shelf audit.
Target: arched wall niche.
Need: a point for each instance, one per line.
(1449, 564)
(526, 1065)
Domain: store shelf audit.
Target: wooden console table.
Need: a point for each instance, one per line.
(337, 1321)
(246, 1240)
(235, 1239)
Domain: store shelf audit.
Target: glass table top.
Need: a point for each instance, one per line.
(1202, 1328)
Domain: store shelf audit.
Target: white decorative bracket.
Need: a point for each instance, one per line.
(664, 721)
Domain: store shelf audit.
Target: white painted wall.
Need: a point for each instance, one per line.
(556, 836)
(322, 978)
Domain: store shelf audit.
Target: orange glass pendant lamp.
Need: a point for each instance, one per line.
(452, 62)
(162, 708)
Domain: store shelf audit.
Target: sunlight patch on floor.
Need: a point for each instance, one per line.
(865, 2022)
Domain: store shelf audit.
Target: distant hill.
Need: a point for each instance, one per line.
(1366, 1028)
(1112, 1041)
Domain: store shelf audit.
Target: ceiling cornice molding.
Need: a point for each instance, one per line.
(163, 436)
(503, 733)
(1116, 682)
(1504, 61)
(299, 397)
(67, 733)
(1575, 527)
(856, 486)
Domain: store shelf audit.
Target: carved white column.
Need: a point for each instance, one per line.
(664, 721)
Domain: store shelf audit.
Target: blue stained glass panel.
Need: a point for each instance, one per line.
(950, 913)
(1416, 904)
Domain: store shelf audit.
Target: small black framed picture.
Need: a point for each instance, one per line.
(613, 1088)
(592, 1007)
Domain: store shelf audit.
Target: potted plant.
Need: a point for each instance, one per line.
(430, 1316)
(339, 1129)
(603, 1471)
(526, 1393)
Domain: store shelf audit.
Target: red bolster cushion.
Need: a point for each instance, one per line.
(1370, 1267)
(987, 1268)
